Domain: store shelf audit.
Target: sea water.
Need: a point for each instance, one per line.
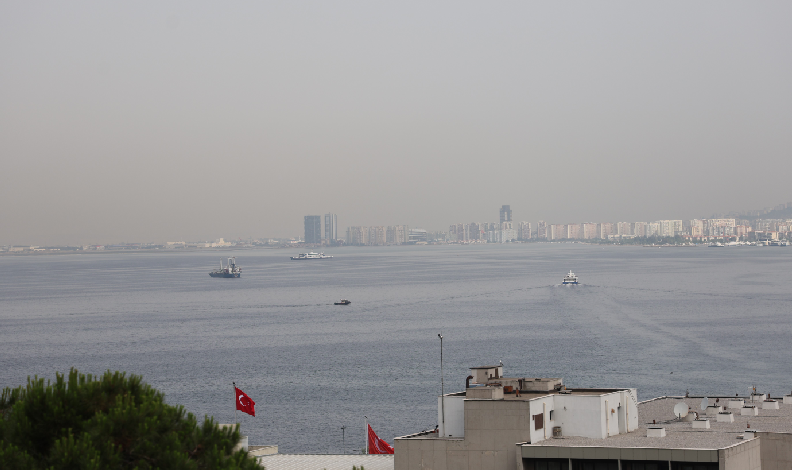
(662, 320)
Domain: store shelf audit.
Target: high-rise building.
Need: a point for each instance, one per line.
(313, 229)
(541, 230)
(605, 230)
(357, 235)
(639, 229)
(574, 231)
(396, 234)
(377, 235)
(524, 231)
(505, 217)
(330, 228)
(589, 230)
(624, 228)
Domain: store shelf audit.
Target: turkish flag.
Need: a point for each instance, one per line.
(377, 445)
(244, 403)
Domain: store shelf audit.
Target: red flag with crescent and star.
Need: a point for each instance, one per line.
(377, 445)
(244, 402)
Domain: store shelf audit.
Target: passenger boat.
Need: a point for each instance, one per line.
(570, 278)
(310, 255)
(343, 302)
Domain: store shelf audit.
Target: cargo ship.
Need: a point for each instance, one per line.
(232, 270)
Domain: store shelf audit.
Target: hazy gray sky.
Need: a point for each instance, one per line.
(155, 121)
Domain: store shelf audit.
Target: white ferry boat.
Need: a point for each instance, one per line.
(310, 255)
(570, 278)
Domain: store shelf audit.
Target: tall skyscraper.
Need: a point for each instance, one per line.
(313, 229)
(330, 228)
(505, 217)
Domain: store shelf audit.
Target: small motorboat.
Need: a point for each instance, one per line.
(343, 302)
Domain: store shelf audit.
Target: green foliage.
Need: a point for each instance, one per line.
(114, 422)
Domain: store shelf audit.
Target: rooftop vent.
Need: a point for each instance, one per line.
(701, 424)
(655, 431)
(725, 417)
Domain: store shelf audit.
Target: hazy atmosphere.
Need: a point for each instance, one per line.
(154, 121)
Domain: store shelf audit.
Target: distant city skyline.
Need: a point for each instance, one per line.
(172, 121)
(315, 231)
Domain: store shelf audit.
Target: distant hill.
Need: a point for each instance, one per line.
(773, 214)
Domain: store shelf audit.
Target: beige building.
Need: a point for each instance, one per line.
(539, 424)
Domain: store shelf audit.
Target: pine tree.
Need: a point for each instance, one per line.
(111, 422)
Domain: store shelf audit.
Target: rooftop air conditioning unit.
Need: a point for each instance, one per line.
(556, 431)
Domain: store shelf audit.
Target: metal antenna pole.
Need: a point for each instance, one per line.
(366, 433)
(343, 447)
(442, 385)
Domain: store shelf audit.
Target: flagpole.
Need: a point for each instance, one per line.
(235, 399)
(367, 439)
(442, 386)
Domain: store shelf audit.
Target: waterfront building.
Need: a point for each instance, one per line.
(573, 232)
(719, 227)
(556, 232)
(417, 235)
(330, 228)
(474, 231)
(639, 229)
(589, 230)
(669, 228)
(376, 236)
(313, 229)
(397, 234)
(505, 217)
(357, 235)
(528, 423)
(696, 227)
(524, 231)
(605, 230)
(652, 229)
(624, 228)
(541, 230)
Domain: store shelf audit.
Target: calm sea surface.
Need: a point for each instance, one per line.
(664, 320)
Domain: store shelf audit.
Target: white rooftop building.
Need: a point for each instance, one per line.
(539, 424)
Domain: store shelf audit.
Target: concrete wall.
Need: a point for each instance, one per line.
(580, 415)
(492, 428)
(776, 450)
(743, 456)
(454, 416)
(541, 406)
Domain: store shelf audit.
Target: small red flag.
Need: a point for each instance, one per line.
(244, 402)
(377, 445)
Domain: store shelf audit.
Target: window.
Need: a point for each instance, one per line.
(595, 464)
(551, 415)
(694, 466)
(538, 421)
(644, 465)
(545, 464)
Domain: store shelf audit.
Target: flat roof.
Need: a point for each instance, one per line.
(680, 434)
(527, 395)
(326, 462)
